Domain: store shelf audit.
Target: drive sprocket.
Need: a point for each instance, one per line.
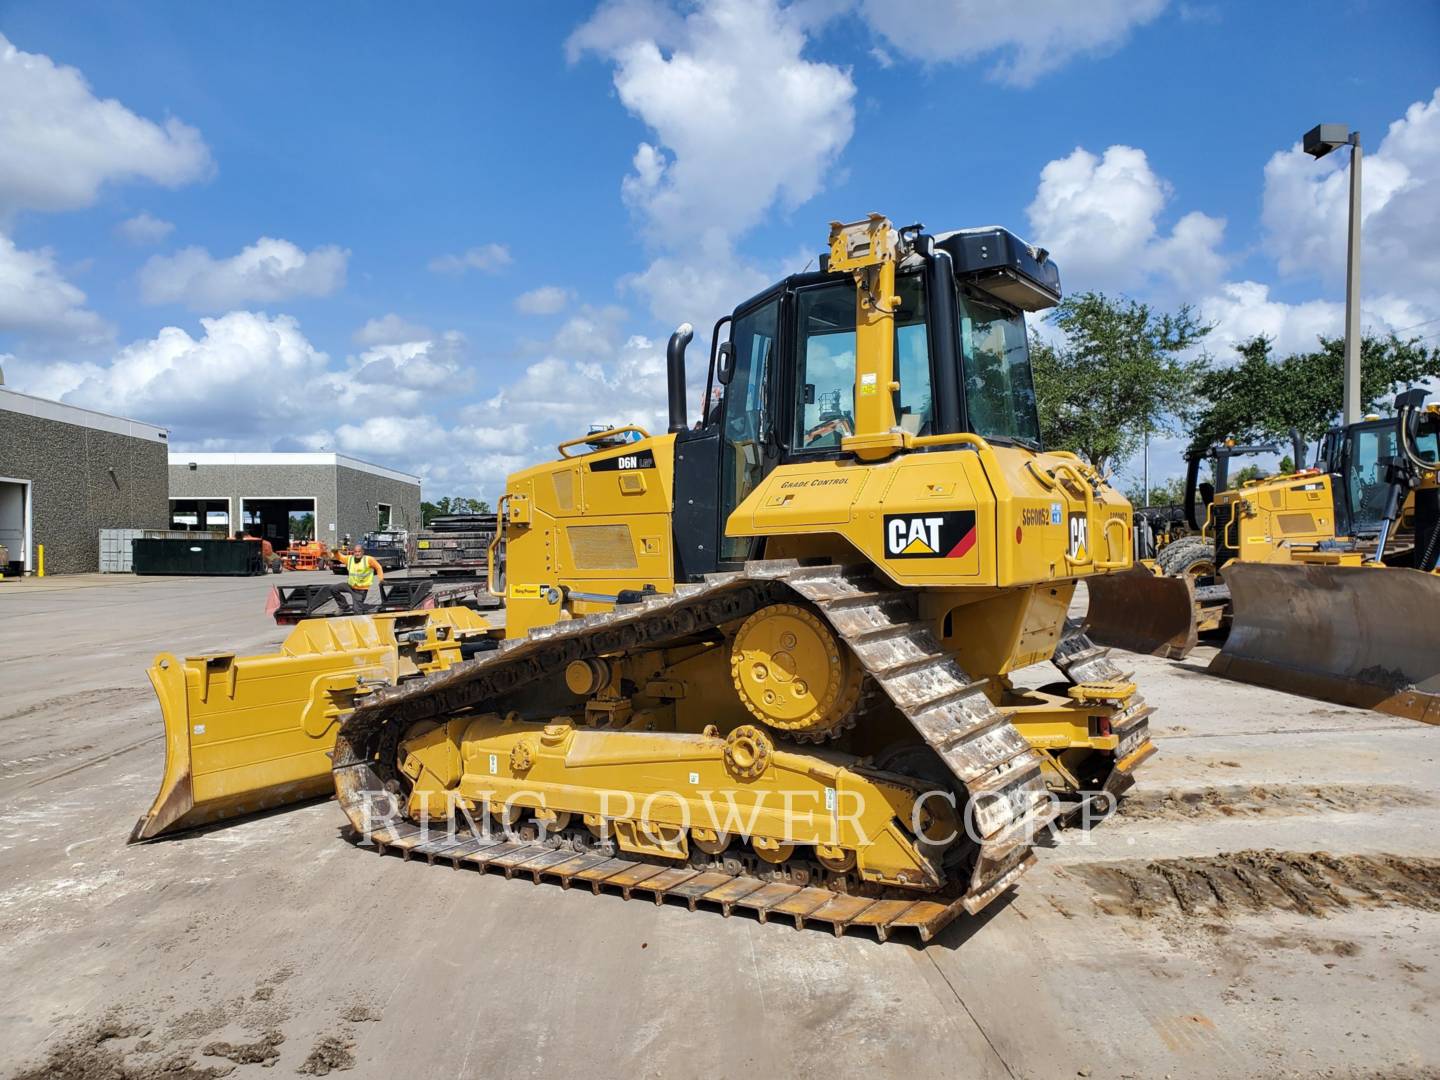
(793, 673)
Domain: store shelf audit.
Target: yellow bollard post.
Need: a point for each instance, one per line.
(40, 560)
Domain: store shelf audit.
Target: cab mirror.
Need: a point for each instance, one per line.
(725, 363)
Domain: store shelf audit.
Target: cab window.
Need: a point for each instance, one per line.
(825, 388)
(1370, 450)
(747, 416)
(999, 386)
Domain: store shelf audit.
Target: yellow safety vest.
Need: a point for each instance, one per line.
(362, 574)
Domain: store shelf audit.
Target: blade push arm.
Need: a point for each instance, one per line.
(869, 250)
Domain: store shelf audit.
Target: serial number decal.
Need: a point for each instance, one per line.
(1034, 515)
(643, 459)
(948, 535)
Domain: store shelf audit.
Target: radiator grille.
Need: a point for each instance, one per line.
(564, 489)
(601, 547)
(1290, 524)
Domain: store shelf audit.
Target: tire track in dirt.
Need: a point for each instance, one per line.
(1244, 882)
(129, 1043)
(1256, 800)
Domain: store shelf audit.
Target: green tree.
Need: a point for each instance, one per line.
(447, 505)
(1263, 397)
(1122, 371)
(1247, 473)
(1168, 492)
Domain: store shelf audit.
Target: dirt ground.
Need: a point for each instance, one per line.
(1200, 934)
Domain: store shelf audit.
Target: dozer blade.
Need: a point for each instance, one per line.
(250, 733)
(1354, 635)
(1143, 612)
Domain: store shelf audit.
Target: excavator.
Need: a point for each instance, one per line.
(766, 661)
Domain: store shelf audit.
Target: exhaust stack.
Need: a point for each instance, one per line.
(675, 373)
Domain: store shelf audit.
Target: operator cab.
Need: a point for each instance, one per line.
(1358, 459)
(781, 386)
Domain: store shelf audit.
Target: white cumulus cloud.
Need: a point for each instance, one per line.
(390, 329)
(742, 118)
(37, 301)
(488, 258)
(1306, 208)
(400, 377)
(741, 122)
(1100, 218)
(237, 379)
(144, 228)
(1026, 38)
(546, 300)
(268, 271)
(62, 143)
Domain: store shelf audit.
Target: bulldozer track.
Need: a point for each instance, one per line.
(569, 860)
(1080, 660)
(879, 623)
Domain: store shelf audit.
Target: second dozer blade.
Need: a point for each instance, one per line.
(1143, 612)
(1355, 635)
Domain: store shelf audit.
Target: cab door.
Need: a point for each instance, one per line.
(748, 441)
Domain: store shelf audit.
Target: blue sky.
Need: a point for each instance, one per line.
(444, 238)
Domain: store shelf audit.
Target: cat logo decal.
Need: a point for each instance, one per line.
(947, 535)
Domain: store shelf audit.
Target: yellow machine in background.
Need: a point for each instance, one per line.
(1356, 625)
(778, 604)
(1165, 606)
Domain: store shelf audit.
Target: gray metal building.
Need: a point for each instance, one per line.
(66, 473)
(279, 496)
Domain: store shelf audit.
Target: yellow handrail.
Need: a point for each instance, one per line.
(958, 438)
(1089, 493)
(1114, 564)
(1232, 528)
(493, 550)
(595, 436)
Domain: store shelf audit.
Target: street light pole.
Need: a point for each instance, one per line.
(1147, 465)
(1319, 141)
(1352, 291)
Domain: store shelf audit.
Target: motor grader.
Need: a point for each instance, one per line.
(765, 661)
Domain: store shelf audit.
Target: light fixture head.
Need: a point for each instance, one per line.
(1323, 138)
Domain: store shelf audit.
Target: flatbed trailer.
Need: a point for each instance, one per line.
(289, 604)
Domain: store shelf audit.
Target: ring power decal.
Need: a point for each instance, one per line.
(947, 535)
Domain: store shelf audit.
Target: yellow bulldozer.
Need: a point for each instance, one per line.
(1174, 593)
(763, 661)
(1357, 623)
(1165, 605)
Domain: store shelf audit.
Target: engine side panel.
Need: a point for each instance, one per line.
(956, 517)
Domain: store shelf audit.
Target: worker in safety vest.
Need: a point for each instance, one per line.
(363, 572)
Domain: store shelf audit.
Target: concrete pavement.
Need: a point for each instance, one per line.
(278, 939)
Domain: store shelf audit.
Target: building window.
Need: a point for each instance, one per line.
(382, 516)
